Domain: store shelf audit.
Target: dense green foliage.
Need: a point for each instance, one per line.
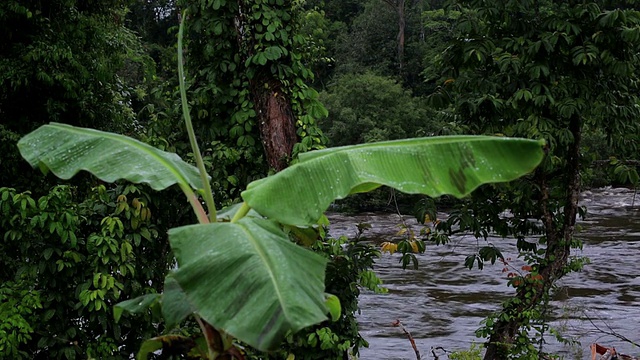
(59, 57)
(70, 253)
(61, 61)
(365, 108)
(557, 71)
(67, 261)
(470, 67)
(240, 56)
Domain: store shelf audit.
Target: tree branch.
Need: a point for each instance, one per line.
(610, 331)
(413, 343)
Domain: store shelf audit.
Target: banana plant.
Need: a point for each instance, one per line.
(238, 272)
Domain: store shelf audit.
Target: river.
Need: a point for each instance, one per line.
(442, 302)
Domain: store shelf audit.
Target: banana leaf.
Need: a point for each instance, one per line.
(65, 150)
(435, 166)
(249, 279)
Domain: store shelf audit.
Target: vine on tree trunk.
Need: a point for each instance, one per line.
(248, 88)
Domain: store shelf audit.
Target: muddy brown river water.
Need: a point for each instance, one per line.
(442, 303)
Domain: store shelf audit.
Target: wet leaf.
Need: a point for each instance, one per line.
(434, 166)
(177, 343)
(249, 279)
(175, 306)
(66, 150)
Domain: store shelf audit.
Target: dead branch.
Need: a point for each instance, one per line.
(397, 323)
(610, 331)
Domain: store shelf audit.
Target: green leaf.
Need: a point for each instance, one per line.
(175, 306)
(148, 347)
(227, 213)
(249, 280)
(469, 261)
(66, 150)
(306, 236)
(435, 166)
(335, 309)
(200, 350)
(134, 306)
(273, 52)
(69, 352)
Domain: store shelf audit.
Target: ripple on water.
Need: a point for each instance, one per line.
(442, 303)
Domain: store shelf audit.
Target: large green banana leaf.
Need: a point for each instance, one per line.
(433, 166)
(66, 150)
(249, 279)
(175, 306)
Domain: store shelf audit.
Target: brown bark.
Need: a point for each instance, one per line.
(504, 332)
(276, 122)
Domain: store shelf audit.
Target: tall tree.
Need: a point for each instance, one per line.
(369, 43)
(543, 69)
(399, 6)
(249, 77)
(387, 38)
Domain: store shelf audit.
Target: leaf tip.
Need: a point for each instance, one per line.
(117, 313)
(43, 167)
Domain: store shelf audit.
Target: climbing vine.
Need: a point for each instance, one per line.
(247, 81)
(556, 71)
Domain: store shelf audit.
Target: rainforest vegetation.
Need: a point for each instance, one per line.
(267, 82)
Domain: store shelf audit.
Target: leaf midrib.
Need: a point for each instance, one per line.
(451, 139)
(264, 258)
(147, 149)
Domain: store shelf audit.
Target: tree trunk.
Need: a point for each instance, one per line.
(558, 239)
(401, 28)
(276, 122)
(271, 104)
(399, 7)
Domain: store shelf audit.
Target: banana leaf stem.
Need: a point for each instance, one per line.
(208, 194)
(195, 204)
(244, 209)
(206, 331)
